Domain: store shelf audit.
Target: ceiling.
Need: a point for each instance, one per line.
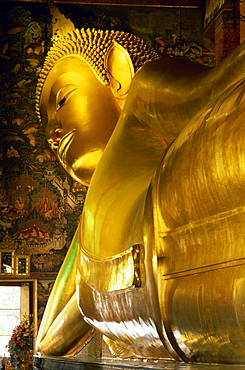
(149, 3)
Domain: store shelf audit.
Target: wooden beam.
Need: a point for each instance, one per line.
(143, 3)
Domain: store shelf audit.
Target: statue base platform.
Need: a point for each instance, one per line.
(96, 355)
(63, 363)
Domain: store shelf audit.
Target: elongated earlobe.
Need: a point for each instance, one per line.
(120, 70)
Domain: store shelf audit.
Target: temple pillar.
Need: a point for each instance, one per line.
(227, 33)
(242, 22)
(222, 22)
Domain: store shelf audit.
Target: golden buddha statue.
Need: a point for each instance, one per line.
(156, 264)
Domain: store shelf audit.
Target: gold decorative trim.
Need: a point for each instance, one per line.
(22, 265)
(19, 258)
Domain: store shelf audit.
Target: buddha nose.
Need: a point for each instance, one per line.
(53, 136)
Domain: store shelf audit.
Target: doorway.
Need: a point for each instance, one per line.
(18, 298)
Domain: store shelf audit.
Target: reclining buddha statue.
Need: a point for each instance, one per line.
(157, 264)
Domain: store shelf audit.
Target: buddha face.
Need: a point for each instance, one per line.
(79, 114)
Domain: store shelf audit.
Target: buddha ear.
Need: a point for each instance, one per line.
(120, 70)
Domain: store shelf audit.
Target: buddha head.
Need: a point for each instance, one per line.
(81, 91)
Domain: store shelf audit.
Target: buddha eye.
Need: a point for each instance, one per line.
(63, 94)
(61, 102)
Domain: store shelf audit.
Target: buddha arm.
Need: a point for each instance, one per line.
(62, 303)
(68, 333)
